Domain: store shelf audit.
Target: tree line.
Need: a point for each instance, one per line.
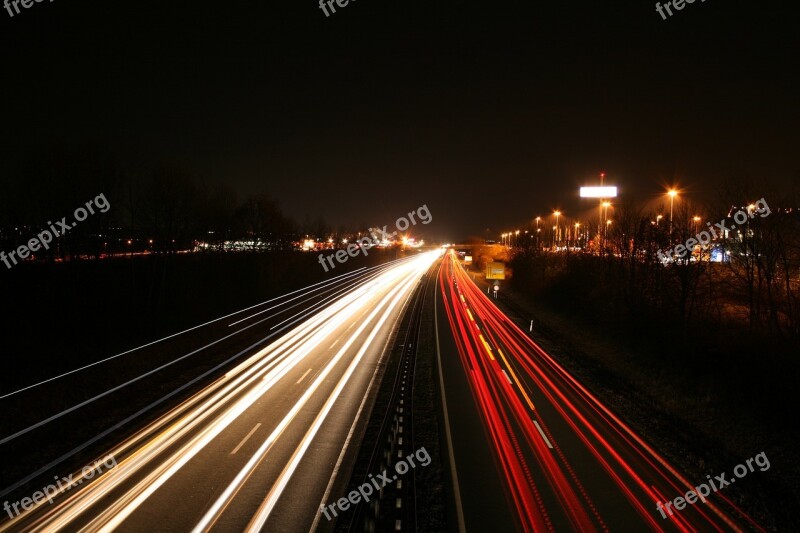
(162, 208)
(754, 292)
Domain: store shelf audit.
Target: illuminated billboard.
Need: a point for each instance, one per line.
(598, 192)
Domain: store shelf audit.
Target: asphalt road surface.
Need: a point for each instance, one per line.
(563, 459)
(264, 445)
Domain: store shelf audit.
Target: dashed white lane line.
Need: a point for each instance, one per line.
(245, 438)
(303, 376)
(546, 440)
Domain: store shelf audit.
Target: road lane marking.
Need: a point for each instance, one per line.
(167, 337)
(514, 375)
(146, 374)
(506, 375)
(245, 438)
(135, 415)
(448, 433)
(303, 377)
(546, 440)
(325, 283)
(327, 322)
(147, 487)
(390, 302)
(350, 434)
(486, 345)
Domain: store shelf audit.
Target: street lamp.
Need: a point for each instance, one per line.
(700, 247)
(557, 214)
(658, 219)
(606, 205)
(750, 209)
(672, 194)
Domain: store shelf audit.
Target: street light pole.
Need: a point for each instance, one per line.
(605, 205)
(672, 194)
(557, 214)
(600, 214)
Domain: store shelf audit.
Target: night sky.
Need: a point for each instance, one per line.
(488, 112)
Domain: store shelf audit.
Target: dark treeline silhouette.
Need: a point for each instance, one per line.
(731, 311)
(161, 208)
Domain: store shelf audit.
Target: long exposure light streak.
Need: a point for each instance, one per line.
(154, 455)
(510, 375)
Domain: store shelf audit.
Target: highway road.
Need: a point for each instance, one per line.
(263, 446)
(564, 461)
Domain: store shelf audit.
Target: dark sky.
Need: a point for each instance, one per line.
(488, 112)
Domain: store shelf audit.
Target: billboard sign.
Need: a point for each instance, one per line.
(598, 192)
